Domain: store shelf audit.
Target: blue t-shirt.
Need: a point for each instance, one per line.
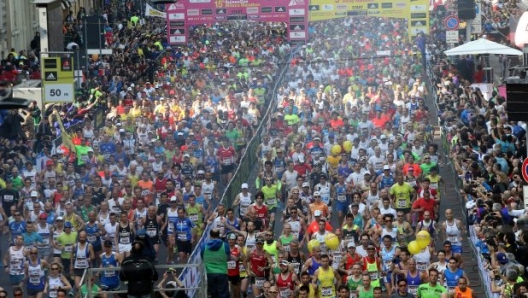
(183, 228)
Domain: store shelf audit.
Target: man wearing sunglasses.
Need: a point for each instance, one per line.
(402, 291)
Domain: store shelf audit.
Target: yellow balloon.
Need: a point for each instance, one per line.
(331, 241)
(313, 243)
(336, 149)
(423, 238)
(413, 247)
(348, 146)
(95, 57)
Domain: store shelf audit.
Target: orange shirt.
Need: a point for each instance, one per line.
(467, 294)
(337, 123)
(321, 207)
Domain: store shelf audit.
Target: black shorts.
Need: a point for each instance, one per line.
(404, 210)
(234, 280)
(228, 169)
(78, 272)
(184, 246)
(155, 239)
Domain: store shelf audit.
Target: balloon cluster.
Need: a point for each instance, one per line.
(423, 239)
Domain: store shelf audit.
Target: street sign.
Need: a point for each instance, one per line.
(451, 23)
(525, 170)
(452, 37)
(58, 79)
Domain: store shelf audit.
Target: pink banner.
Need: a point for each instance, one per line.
(187, 13)
(502, 91)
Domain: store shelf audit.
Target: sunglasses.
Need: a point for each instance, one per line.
(33, 253)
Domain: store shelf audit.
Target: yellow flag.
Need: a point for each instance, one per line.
(66, 138)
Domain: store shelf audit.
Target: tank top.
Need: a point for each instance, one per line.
(138, 216)
(372, 268)
(35, 276)
(337, 256)
(434, 180)
(291, 179)
(124, 234)
(272, 249)
(250, 241)
(452, 277)
(393, 233)
(109, 278)
(315, 266)
(324, 190)
(54, 283)
(295, 262)
(386, 181)
(16, 261)
(233, 268)
(371, 199)
(325, 280)
(98, 196)
(353, 286)
(207, 189)
(387, 256)
(152, 227)
(245, 202)
(56, 234)
(285, 285)
(280, 166)
(260, 210)
(413, 282)
(296, 227)
(81, 257)
(341, 193)
(194, 213)
(264, 149)
(423, 259)
(349, 236)
(467, 294)
(285, 241)
(321, 239)
(103, 218)
(258, 260)
(172, 215)
(453, 233)
(91, 234)
(44, 233)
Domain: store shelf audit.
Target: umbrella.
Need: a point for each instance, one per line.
(482, 46)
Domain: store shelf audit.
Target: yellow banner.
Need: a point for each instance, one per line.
(415, 11)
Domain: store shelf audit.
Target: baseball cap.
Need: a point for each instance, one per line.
(317, 138)
(306, 184)
(43, 216)
(59, 218)
(502, 258)
(318, 213)
(386, 167)
(350, 244)
(34, 193)
(186, 155)
(316, 193)
(173, 199)
(68, 224)
(201, 172)
(245, 185)
(232, 237)
(284, 263)
(49, 162)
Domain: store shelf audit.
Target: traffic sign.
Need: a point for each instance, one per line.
(525, 170)
(57, 79)
(451, 23)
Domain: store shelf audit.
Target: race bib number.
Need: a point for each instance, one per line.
(354, 294)
(82, 263)
(452, 239)
(226, 161)
(374, 275)
(68, 248)
(271, 202)
(92, 238)
(8, 198)
(412, 289)
(259, 282)
(421, 266)
(341, 198)
(286, 248)
(151, 232)
(285, 293)
(125, 240)
(296, 267)
(182, 236)
(402, 203)
(53, 294)
(34, 279)
(231, 265)
(109, 273)
(326, 292)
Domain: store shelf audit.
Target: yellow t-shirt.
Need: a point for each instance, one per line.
(402, 194)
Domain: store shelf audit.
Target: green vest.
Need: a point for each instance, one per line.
(215, 261)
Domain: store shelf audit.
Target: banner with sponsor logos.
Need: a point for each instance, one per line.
(415, 11)
(152, 12)
(187, 13)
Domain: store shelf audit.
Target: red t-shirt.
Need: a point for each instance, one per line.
(427, 205)
(226, 155)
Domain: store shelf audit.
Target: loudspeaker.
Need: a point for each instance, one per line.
(466, 9)
(517, 102)
(94, 31)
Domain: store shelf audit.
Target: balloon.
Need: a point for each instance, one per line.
(520, 34)
(95, 57)
(313, 243)
(331, 241)
(348, 146)
(336, 149)
(423, 238)
(413, 247)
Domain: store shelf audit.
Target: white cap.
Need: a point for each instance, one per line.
(316, 193)
(186, 155)
(245, 185)
(350, 244)
(318, 213)
(121, 130)
(173, 199)
(306, 184)
(34, 194)
(386, 167)
(200, 172)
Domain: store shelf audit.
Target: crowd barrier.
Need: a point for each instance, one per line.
(190, 275)
(459, 184)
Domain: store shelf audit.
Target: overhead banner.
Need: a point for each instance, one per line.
(415, 11)
(187, 13)
(57, 79)
(152, 12)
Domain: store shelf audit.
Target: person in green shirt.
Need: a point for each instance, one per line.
(427, 165)
(291, 118)
(95, 289)
(215, 253)
(366, 290)
(82, 152)
(431, 289)
(17, 181)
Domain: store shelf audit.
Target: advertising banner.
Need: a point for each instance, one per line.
(57, 80)
(152, 12)
(187, 13)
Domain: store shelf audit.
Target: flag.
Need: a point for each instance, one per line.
(66, 137)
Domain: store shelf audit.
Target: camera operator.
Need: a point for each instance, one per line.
(173, 283)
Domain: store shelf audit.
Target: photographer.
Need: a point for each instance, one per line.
(173, 283)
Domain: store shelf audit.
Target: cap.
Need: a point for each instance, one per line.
(186, 155)
(316, 193)
(34, 193)
(90, 150)
(59, 218)
(306, 184)
(502, 258)
(122, 130)
(317, 138)
(173, 199)
(350, 244)
(43, 216)
(68, 224)
(232, 236)
(108, 243)
(383, 137)
(386, 167)
(245, 185)
(49, 162)
(200, 172)
(284, 263)
(318, 213)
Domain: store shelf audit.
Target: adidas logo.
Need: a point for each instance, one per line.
(51, 77)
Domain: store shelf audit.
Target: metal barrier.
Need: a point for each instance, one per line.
(200, 290)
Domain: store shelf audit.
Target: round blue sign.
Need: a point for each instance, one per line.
(451, 23)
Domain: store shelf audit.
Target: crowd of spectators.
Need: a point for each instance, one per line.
(486, 150)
